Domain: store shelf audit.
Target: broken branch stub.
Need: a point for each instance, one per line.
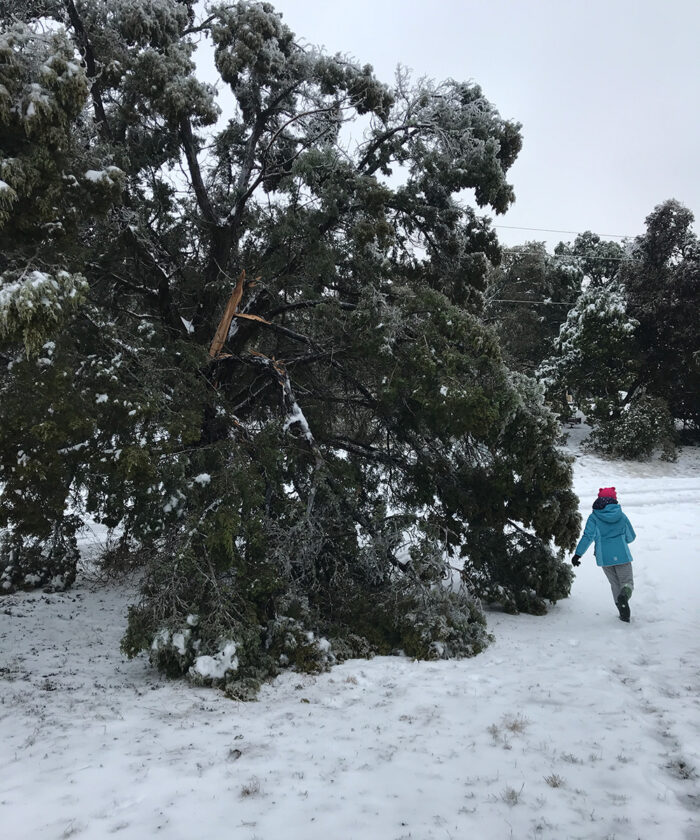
(225, 323)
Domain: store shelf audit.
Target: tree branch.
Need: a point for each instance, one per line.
(235, 214)
(278, 328)
(376, 144)
(308, 304)
(365, 451)
(91, 65)
(200, 191)
(242, 191)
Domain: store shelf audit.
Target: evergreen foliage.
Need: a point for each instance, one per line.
(598, 260)
(295, 488)
(516, 570)
(636, 433)
(629, 347)
(663, 291)
(596, 354)
(528, 299)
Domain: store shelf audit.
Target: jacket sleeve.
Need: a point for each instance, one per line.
(588, 536)
(630, 536)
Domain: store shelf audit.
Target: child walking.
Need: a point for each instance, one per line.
(611, 531)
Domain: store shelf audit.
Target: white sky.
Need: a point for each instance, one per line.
(607, 92)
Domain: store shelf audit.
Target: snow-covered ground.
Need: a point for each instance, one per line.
(572, 725)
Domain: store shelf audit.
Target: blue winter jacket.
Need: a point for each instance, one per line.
(611, 530)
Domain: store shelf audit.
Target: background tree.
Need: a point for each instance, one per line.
(662, 284)
(307, 475)
(596, 354)
(598, 259)
(628, 348)
(528, 298)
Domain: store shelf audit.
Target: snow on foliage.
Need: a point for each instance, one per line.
(110, 175)
(218, 666)
(597, 330)
(40, 80)
(34, 302)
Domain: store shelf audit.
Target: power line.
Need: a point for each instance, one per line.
(534, 302)
(516, 252)
(576, 232)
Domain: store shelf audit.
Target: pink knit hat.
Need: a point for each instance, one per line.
(607, 493)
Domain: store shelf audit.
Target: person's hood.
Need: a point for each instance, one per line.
(610, 513)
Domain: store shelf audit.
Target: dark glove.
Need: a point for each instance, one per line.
(576, 560)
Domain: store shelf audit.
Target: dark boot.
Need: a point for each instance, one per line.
(623, 604)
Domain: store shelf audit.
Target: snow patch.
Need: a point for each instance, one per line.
(103, 176)
(215, 667)
(296, 415)
(180, 641)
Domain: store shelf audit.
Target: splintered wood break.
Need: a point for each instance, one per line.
(230, 313)
(250, 317)
(225, 323)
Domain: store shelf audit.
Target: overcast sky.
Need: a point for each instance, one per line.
(608, 93)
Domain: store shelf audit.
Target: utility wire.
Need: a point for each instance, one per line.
(576, 232)
(534, 302)
(514, 251)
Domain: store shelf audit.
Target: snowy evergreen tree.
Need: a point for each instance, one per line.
(597, 358)
(599, 260)
(596, 355)
(628, 349)
(528, 298)
(642, 428)
(663, 291)
(273, 380)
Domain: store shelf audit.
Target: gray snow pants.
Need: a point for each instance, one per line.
(619, 576)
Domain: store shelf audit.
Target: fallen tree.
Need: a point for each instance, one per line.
(293, 460)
